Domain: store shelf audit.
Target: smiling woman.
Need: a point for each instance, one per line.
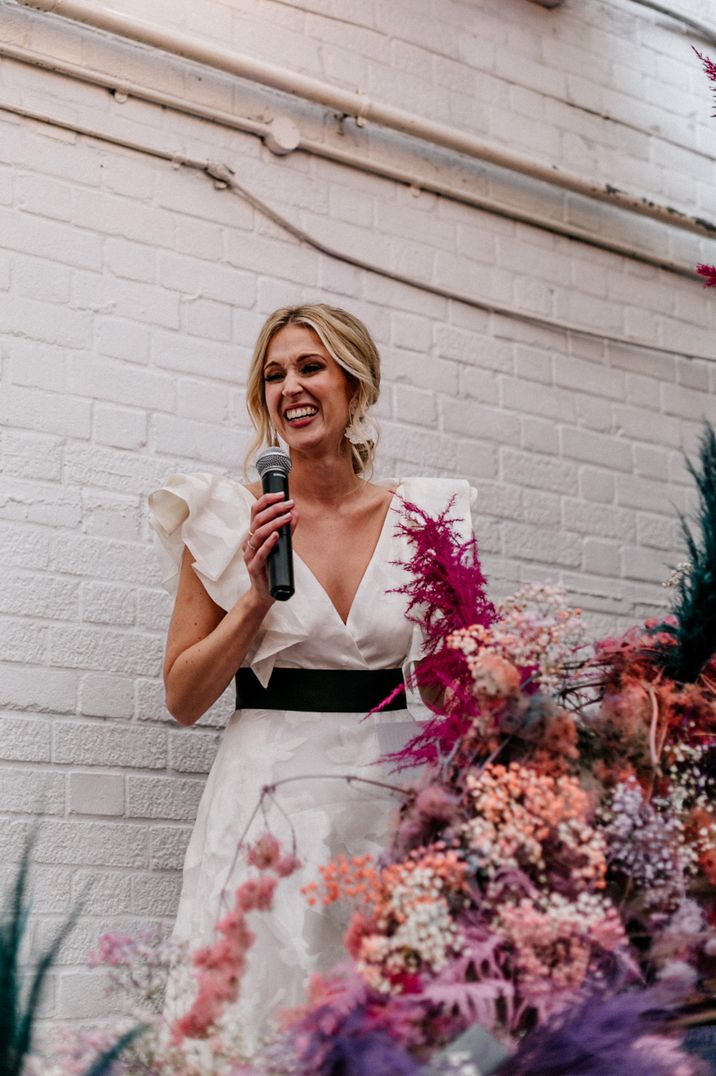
(307, 670)
(322, 335)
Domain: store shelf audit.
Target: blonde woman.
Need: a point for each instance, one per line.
(307, 669)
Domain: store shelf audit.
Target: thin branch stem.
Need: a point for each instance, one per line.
(653, 725)
(351, 778)
(267, 791)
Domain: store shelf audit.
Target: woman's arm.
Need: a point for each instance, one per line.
(205, 644)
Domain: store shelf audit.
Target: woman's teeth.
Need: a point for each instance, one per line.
(300, 412)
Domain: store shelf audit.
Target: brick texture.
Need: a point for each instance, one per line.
(131, 292)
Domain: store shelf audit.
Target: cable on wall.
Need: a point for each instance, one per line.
(224, 175)
(224, 178)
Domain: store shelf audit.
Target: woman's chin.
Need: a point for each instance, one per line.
(314, 443)
(300, 435)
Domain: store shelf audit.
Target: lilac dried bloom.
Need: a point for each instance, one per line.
(436, 802)
(355, 1048)
(644, 846)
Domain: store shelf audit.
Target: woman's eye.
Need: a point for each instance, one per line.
(312, 368)
(273, 377)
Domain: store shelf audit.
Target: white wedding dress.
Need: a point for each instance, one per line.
(210, 515)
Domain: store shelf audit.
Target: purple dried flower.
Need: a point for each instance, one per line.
(356, 1048)
(643, 845)
(601, 1036)
(436, 802)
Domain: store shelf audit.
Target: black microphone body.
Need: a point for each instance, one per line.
(273, 466)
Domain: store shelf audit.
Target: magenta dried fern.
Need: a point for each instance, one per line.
(447, 588)
(446, 591)
(708, 65)
(708, 272)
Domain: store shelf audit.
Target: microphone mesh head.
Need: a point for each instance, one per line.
(273, 459)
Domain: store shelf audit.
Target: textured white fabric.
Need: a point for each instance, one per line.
(210, 515)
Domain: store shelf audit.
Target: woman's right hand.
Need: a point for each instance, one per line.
(269, 513)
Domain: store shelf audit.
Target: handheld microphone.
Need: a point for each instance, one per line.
(273, 466)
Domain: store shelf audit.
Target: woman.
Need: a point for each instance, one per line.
(314, 373)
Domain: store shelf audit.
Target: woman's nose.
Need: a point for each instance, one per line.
(291, 384)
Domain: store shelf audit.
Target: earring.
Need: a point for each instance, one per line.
(360, 430)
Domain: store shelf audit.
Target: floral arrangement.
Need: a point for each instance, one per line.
(548, 900)
(555, 870)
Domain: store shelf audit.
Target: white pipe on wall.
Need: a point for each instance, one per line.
(359, 105)
(704, 31)
(350, 158)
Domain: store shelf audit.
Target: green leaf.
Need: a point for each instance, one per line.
(103, 1064)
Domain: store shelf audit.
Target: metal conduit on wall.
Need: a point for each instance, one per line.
(282, 136)
(364, 110)
(708, 33)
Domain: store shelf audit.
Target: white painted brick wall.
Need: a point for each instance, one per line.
(130, 295)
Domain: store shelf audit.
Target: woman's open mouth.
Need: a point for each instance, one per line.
(300, 416)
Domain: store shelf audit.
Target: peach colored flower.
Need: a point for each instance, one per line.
(494, 677)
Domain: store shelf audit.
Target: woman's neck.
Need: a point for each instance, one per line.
(326, 481)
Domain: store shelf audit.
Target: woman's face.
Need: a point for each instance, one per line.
(307, 393)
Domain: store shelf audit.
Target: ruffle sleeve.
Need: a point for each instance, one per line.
(210, 515)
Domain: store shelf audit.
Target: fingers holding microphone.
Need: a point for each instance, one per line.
(269, 514)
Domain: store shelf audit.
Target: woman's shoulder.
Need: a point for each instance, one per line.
(435, 494)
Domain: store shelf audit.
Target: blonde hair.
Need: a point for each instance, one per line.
(349, 343)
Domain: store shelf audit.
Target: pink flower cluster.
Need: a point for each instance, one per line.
(221, 965)
(535, 632)
(555, 942)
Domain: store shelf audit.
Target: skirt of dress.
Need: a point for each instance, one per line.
(325, 815)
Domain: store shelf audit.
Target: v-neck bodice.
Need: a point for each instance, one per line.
(312, 579)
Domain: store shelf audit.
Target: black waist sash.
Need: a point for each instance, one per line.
(320, 690)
